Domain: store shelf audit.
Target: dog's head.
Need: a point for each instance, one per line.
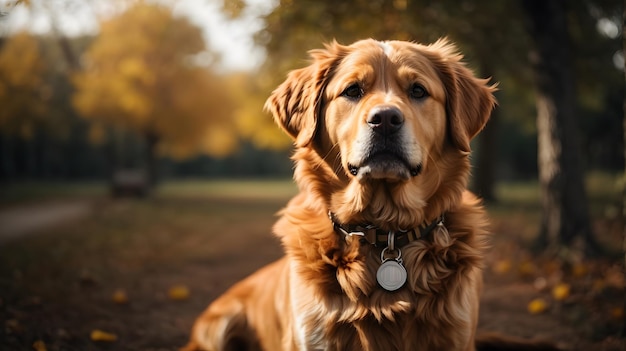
(381, 126)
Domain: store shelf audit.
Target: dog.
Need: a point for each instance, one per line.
(384, 243)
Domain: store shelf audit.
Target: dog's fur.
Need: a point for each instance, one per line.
(382, 136)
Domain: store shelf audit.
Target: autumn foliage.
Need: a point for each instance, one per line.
(141, 74)
(21, 86)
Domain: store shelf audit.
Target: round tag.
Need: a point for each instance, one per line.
(391, 275)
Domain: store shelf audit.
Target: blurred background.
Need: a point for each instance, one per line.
(138, 169)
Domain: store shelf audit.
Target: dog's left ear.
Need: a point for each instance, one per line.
(296, 103)
(469, 100)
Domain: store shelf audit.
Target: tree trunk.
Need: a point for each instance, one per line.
(152, 140)
(563, 198)
(73, 64)
(8, 169)
(484, 179)
(68, 53)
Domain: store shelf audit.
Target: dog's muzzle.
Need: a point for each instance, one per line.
(384, 156)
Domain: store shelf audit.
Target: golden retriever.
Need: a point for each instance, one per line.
(383, 243)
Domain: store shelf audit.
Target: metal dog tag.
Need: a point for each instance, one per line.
(391, 275)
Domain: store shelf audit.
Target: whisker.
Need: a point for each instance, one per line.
(324, 158)
(331, 150)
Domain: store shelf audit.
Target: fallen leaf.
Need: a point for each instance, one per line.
(39, 346)
(99, 335)
(561, 291)
(120, 297)
(178, 292)
(537, 306)
(502, 266)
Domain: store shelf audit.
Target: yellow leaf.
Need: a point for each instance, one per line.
(39, 346)
(502, 266)
(120, 296)
(219, 142)
(138, 76)
(178, 292)
(561, 291)
(132, 67)
(99, 335)
(537, 306)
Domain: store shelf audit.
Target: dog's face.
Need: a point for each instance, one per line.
(385, 110)
(383, 125)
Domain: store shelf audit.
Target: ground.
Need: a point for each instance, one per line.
(141, 270)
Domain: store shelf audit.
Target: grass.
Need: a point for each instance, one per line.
(30, 191)
(603, 189)
(242, 189)
(599, 186)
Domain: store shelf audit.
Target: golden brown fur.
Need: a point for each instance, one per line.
(323, 295)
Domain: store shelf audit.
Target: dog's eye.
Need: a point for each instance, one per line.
(417, 91)
(354, 91)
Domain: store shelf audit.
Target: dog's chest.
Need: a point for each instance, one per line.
(404, 334)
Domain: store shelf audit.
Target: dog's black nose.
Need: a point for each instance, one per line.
(385, 120)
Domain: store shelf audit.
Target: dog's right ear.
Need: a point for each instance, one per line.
(296, 103)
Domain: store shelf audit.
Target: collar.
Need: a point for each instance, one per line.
(383, 238)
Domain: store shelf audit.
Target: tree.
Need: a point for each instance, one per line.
(141, 74)
(564, 203)
(21, 90)
(248, 91)
(23, 97)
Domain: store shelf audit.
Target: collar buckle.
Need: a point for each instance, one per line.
(391, 240)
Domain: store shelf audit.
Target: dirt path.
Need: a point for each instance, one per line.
(28, 219)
